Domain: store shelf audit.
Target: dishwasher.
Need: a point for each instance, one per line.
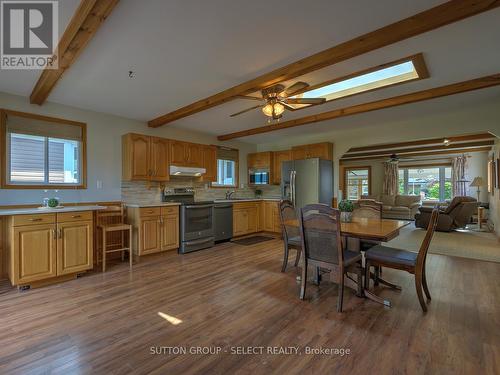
(223, 220)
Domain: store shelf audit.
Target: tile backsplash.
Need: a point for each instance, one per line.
(143, 192)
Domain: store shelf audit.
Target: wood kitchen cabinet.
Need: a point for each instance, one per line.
(185, 154)
(46, 246)
(210, 163)
(246, 218)
(260, 160)
(270, 217)
(145, 158)
(155, 229)
(322, 150)
(278, 158)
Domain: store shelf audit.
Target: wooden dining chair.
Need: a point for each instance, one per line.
(400, 259)
(322, 247)
(114, 234)
(291, 233)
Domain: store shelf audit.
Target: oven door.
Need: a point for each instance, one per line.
(197, 221)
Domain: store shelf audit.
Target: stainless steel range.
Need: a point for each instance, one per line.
(196, 219)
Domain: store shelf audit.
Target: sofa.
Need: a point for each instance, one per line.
(457, 215)
(401, 207)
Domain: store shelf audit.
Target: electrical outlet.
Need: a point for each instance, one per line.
(99, 184)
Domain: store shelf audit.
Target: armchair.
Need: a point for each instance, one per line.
(456, 215)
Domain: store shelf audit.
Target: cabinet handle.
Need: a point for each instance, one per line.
(76, 216)
(36, 219)
(60, 233)
(54, 233)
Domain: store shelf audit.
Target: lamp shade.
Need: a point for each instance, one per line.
(478, 181)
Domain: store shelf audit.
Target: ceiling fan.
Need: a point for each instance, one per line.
(394, 158)
(277, 98)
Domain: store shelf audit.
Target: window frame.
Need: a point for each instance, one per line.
(6, 184)
(236, 160)
(418, 63)
(442, 178)
(354, 168)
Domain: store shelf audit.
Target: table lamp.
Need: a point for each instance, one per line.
(477, 182)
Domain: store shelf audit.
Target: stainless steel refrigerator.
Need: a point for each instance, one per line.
(307, 181)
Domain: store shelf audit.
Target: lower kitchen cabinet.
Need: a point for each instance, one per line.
(253, 217)
(46, 246)
(270, 217)
(155, 229)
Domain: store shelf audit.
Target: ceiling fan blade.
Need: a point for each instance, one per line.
(246, 110)
(288, 106)
(305, 100)
(249, 97)
(297, 86)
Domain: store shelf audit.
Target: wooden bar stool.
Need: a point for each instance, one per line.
(111, 222)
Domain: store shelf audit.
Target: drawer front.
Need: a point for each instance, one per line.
(174, 210)
(34, 219)
(150, 211)
(74, 216)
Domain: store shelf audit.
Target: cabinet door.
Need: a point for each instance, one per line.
(251, 160)
(170, 232)
(210, 163)
(279, 157)
(321, 150)
(299, 153)
(139, 148)
(253, 219)
(149, 235)
(178, 153)
(34, 255)
(194, 155)
(74, 247)
(240, 222)
(160, 159)
(268, 224)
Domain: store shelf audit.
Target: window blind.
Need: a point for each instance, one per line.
(227, 153)
(23, 125)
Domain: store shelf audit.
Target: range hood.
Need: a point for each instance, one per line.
(186, 171)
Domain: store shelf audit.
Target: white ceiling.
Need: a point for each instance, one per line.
(185, 50)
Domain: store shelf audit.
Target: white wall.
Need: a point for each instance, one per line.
(103, 150)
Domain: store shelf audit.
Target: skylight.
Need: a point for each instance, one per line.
(365, 81)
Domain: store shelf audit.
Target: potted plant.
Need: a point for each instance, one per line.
(346, 207)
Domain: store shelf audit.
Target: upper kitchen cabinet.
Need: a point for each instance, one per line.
(145, 158)
(185, 154)
(260, 160)
(278, 158)
(209, 154)
(318, 150)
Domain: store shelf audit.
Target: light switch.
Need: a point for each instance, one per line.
(99, 184)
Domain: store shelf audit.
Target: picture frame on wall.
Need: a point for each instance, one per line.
(497, 173)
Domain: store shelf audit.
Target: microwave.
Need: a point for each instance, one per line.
(259, 176)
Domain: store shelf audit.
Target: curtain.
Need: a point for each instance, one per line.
(458, 168)
(390, 178)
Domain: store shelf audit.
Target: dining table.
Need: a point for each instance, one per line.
(380, 230)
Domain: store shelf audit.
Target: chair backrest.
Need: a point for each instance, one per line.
(288, 219)
(462, 213)
(111, 215)
(320, 233)
(367, 208)
(456, 202)
(424, 247)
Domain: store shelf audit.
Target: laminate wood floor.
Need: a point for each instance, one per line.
(234, 297)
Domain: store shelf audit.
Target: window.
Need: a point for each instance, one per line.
(227, 167)
(404, 70)
(43, 152)
(431, 183)
(357, 182)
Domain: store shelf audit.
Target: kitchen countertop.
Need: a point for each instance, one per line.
(160, 204)
(246, 200)
(28, 211)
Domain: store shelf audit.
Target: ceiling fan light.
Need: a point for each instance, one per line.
(278, 109)
(268, 110)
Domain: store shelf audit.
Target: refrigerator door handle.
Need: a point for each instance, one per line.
(291, 186)
(294, 196)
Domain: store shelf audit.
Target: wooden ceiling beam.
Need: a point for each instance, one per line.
(437, 92)
(430, 153)
(423, 142)
(403, 151)
(441, 15)
(89, 15)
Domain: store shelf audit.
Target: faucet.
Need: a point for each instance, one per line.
(229, 194)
